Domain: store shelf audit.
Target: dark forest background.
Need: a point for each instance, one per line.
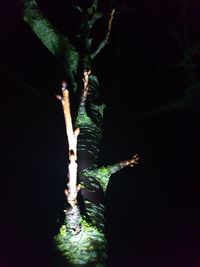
(153, 210)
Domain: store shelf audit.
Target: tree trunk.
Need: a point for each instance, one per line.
(81, 240)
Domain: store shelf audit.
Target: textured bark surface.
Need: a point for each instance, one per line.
(81, 240)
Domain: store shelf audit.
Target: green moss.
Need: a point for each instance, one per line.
(86, 247)
(95, 213)
(98, 108)
(83, 119)
(57, 44)
(90, 135)
(63, 230)
(102, 174)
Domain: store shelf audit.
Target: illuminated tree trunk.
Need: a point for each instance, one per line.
(81, 240)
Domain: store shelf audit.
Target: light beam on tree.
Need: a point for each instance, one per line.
(81, 240)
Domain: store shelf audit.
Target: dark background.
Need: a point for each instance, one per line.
(153, 213)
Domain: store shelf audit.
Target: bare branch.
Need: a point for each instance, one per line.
(105, 41)
(130, 162)
(110, 24)
(102, 174)
(85, 89)
(71, 192)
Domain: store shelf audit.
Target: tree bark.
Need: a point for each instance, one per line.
(81, 240)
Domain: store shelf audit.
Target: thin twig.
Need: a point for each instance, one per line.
(84, 95)
(105, 41)
(130, 162)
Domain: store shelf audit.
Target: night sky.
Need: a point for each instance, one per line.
(153, 210)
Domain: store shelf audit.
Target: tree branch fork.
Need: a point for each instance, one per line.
(72, 186)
